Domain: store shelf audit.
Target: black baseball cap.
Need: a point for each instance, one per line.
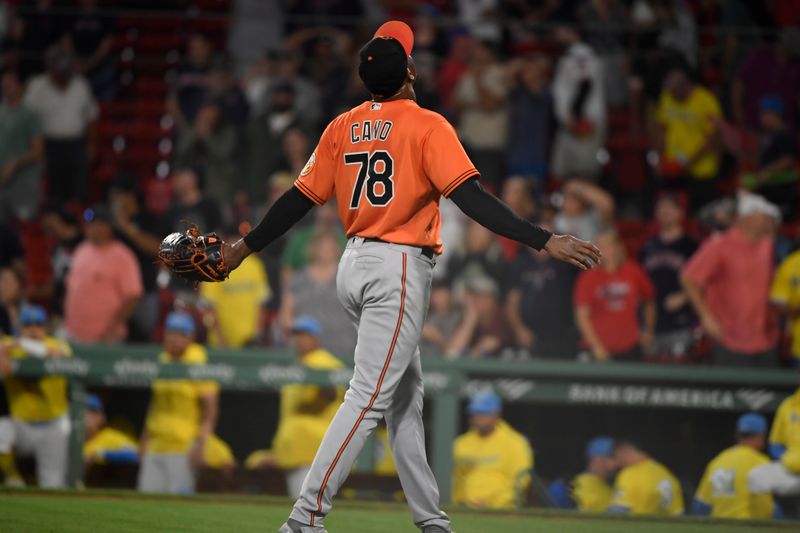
(384, 60)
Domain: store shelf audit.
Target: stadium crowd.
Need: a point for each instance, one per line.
(635, 132)
(662, 130)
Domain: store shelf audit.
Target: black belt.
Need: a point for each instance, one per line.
(427, 251)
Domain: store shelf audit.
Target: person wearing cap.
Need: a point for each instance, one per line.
(181, 416)
(104, 283)
(39, 424)
(389, 162)
(782, 476)
(608, 301)
(776, 175)
(105, 444)
(643, 485)
(492, 462)
(306, 410)
(483, 330)
(590, 489)
(726, 490)
(688, 137)
(236, 307)
(728, 283)
(265, 132)
(662, 258)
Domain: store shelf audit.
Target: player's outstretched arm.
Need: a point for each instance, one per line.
(489, 211)
(287, 211)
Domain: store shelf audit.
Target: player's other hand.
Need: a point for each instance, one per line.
(567, 248)
(235, 253)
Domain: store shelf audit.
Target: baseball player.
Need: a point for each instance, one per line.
(726, 490)
(643, 485)
(39, 424)
(388, 162)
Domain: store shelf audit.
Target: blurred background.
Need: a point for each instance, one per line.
(662, 130)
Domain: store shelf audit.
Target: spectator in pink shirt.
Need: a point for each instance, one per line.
(103, 286)
(728, 282)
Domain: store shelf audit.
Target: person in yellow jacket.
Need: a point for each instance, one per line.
(726, 490)
(644, 486)
(782, 476)
(39, 423)
(492, 461)
(105, 444)
(590, 490)
(181, 417)
(305, 412)
(237, 305)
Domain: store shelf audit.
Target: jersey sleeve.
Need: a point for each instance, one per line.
(444, 160)
(316, 180)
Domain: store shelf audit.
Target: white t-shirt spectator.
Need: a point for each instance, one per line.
(65, 114)
(579, 63)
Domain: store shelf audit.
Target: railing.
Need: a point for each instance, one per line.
(446, 383)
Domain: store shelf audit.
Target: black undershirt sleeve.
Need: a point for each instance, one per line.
(287, 211)
(489, 211)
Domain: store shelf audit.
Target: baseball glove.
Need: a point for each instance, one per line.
(194, 256)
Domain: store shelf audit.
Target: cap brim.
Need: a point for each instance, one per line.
(399, 31)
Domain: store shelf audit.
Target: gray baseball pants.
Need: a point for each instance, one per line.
(47, 442)
(170, 473)
(385, 288)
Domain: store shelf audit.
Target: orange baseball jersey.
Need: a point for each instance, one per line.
(388, 163)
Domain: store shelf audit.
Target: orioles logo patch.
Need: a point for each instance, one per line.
(310, 165)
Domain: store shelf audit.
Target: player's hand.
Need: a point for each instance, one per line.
(711, 326)
(235, 253)
(196, 453)
(567, 248)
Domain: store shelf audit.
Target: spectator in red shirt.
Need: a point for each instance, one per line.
(728, 282)
(607, 301)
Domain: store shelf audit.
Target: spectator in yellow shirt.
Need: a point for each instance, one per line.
(105, 444)
(644, 486)
(726, 490)
(782, 476)
(590, 489)
(688, 138)
(492, 461)
(785, 297)
(181, 416)
(237, 305)
(39, 423)
(305, 413)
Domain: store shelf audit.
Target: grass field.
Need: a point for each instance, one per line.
(23, 511)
